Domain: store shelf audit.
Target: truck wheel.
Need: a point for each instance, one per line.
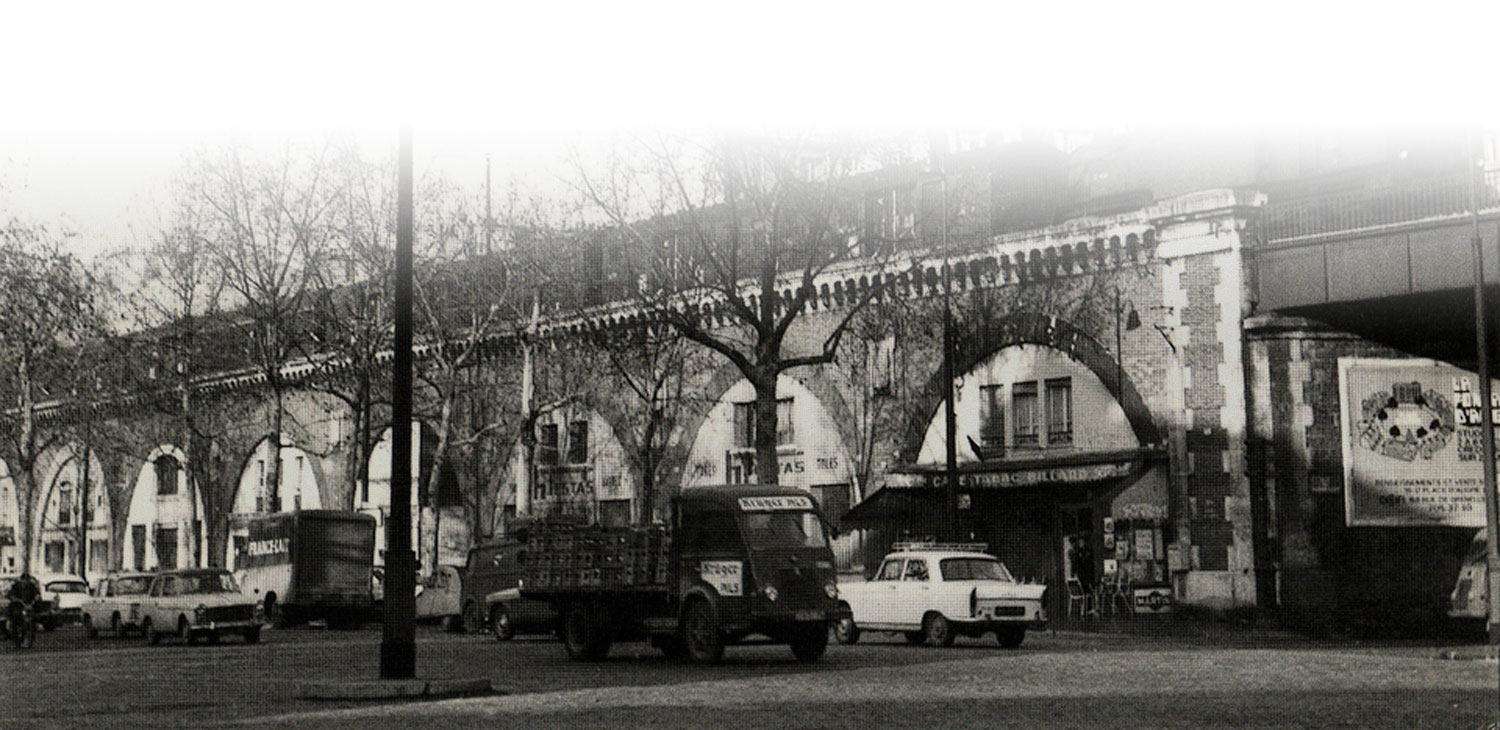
(937, 631)
(89, 627)
(500, 624)
(583, 633)
(1010, 637)
(845, 631)
(149, 631)
(184, 632)
(809, 642)
(700, 633)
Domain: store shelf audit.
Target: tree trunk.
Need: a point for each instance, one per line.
(767, 470)
(440, 454)
(273, 469)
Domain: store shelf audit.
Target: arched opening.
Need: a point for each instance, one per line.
(298, 489)
(164, 525)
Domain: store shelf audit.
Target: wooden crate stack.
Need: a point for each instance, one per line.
(566, 556)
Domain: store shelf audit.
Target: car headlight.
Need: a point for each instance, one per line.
(831, 589)
(771, 593)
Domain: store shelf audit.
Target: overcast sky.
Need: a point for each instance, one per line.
(99, 101)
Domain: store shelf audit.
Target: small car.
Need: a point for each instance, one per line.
(933, 592)
(199, 602)
(492, 600)
(437, 598)
(508, 614)
(67, 594)
(115, 603)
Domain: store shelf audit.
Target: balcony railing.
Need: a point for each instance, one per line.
(1433, 198)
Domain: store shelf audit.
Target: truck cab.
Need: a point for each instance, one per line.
(753, 560)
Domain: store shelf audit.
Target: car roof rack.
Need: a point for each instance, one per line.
(915, 546)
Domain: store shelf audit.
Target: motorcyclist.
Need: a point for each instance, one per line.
(23, 594)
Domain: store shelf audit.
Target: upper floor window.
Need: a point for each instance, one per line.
(64, 503)
(547, 445)
(890, 214)
(578, 442)
(1060, 412)
(166, 475)
(992, 427)
(1025, 409)
(744, 424)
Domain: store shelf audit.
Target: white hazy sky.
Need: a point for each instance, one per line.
(99, 101)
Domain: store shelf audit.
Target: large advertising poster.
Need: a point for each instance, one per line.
(1411, 431)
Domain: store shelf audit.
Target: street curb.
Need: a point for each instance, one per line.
(396, 689)
(1469, 653)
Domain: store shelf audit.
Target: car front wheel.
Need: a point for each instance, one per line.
(845, 631)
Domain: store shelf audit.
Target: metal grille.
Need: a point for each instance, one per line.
(801, 589)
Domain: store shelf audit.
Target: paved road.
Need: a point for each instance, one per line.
(1062, 680)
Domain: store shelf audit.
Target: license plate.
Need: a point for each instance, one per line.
(809, 615)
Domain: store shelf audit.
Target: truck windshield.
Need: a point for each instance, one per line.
(974, 569)
(783, 529)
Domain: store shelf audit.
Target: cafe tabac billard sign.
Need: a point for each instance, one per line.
(1411, 438)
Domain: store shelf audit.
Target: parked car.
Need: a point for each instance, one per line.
(491, 593)
(115, 603)
(931, 593)
(200, 602)
(438, 598)
(67, 594)
(509, 613)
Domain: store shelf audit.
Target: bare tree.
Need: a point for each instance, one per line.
(652, 363)
(729, 239)
(178, 311)
(351, 321)
(51, 309)
(266, 222)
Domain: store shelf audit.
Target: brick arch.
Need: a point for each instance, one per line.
(1029, 328)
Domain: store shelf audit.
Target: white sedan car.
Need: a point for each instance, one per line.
(933, 593)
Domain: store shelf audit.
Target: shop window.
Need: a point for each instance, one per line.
(1024, 408)
(578, 442)
(166, 475)
(547, 445)
(1060, 412)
